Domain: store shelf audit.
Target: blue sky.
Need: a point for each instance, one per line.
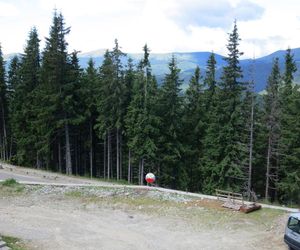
(165, 25)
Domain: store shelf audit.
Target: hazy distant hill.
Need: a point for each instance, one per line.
(187, 62)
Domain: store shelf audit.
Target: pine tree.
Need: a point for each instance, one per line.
(210, 82)
(142, 122)
(249, 110)
(272, 118)
(25, 102)
(13, 82)
(211, 144)
(170, 105)
(289, 171)
(3, 109)
(193, 122)
(57, 91)
(224, 145)
(89, 91)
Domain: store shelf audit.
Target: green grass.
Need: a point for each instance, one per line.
(197, 215)
(10, 183)
(11, 187)
(74, 194)
(14, 243)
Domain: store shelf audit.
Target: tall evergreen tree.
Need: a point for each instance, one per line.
(13, 81)
(223, 169)
(3, 109)
(25, 102)
(111, 105)
(193, 122)
(210, 81)
(89, 92)
(141, 119)
(211, 144)
(272, 118)
(170, 105)
(289, 172)
(58, 102)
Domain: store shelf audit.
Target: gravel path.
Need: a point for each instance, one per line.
(48, 219)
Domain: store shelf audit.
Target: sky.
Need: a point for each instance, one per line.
(165, 25)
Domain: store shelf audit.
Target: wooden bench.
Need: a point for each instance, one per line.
(232, 200)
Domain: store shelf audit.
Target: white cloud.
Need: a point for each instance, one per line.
(8, 10)
(165, 25)
(215, 14)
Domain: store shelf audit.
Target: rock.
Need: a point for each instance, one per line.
(1, 167)
(2, 244)
(5, 248)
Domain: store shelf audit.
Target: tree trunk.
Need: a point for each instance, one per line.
(11, 146)
(108, 154)
(77, 160)
(118, 155)
(129, 167)
(268, 169)
(121, 162)
(59, 157)
(38, 164)
(91, 149)
(140, 167)
(68, 151)
(142, 172)
(4, 133)
(104, 157)
(1, 147)
(250, 151)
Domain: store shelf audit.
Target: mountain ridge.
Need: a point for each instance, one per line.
(188, 61)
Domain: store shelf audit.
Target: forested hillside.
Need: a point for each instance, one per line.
(115, 122)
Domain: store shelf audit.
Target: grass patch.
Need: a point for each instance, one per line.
(10, 183)
(199, 213)
(74, 194)
(14, 243)
(11, 187)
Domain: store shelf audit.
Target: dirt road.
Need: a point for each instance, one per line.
(72, 217)
(53, 218)
(33, 175)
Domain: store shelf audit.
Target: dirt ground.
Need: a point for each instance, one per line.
(103, 218)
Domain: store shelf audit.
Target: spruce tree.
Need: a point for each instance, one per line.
(58, 84)
(272, 119)
(88, 91)
(289, 171)
(170, 106)
(142, 122)
(13, 82)
(25, 103)
(223, 159)
(3, 110)
(193, 122)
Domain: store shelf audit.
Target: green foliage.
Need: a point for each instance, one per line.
(289, 137)
(23, 79)
(223, 159)
(11, 187)
(54, 115)
(10, 183)
(14, 243)
(193, 121)
(170, 112)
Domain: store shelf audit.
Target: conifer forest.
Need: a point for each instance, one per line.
(116, 122)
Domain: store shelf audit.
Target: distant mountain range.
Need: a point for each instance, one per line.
(187, 62)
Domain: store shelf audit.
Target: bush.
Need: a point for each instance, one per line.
(10, 183)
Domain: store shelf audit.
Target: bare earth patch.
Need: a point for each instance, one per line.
(120, 218)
